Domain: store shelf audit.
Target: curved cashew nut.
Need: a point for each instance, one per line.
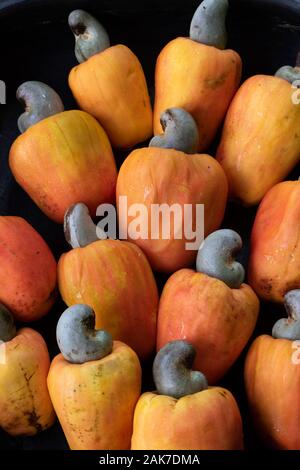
(77, 338)
(172, 371)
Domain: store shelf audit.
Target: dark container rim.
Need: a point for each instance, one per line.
(291, 7)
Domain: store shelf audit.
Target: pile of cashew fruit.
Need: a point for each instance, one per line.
(193, 329)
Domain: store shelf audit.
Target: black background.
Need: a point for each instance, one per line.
(36, 44)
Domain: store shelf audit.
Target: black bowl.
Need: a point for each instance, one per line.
(36, 44)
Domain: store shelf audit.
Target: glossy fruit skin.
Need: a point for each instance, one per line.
(25, 405)
(274, 266)
(260, 143)
(272, 383)
(62, 160)
(112, 87)
(216, 319)
(28, 270)
(166, 176)
(207, 420)
(115, 279)
(198, 78)
(95, 401)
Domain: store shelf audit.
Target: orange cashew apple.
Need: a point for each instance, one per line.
(211, 307)
(184, 413)
(94, 384)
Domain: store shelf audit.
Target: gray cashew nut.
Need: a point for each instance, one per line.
(40, 101)
(90, 36)
(216, 257)
(7, 325)
(180, 131)
(208, 23)
(77, 338)
(172, 370)
(289, 328)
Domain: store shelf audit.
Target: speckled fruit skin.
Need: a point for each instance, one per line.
(216, 319)
(272, 381)
(95, 401)
(25, 405)
(115, 279)
(274, 263)
(165, 176)
(207, 420)
(199, 78)
(28, 270)
(260, 143)
(62, 160)
(112, 87)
